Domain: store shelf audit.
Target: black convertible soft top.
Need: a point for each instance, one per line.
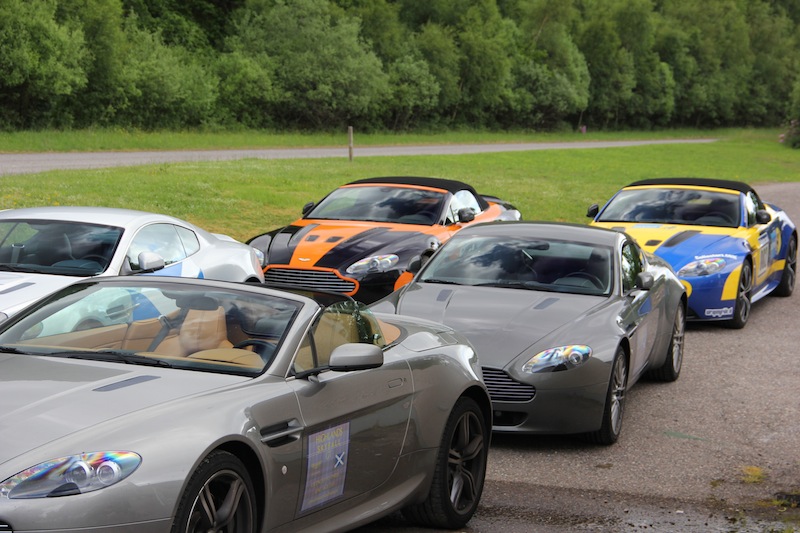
(452, 186)
(698, 182)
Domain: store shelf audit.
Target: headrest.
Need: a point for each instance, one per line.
(194, 301)
(270, 326)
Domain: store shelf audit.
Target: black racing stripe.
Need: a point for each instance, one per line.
(679, 238)
(284, 243)
(370, 242)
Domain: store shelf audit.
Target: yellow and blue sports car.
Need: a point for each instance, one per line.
(728, 247)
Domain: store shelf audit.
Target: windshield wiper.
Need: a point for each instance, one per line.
(11, 268)
(113, 356)
(442, 281)
(31, 269)
(11, 349)
(514, 284)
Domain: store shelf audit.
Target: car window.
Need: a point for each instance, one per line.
(340, 323)
(752, 204)
(631, 265)
(55, 247)
(522, 263)
(193, 328)
(673, 206)
(460, 200)
(404, 205)
(191, 244)
(162, 239)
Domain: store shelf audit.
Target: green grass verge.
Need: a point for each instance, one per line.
(116, 139)
(247, 197)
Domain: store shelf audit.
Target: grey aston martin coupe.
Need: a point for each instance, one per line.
(199, 405)
(565, 319)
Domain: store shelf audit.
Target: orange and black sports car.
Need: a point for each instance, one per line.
(359, 239)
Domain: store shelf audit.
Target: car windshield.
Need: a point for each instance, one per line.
(381, 203)
(54, 247)
(522, 263)
(156, 323)
(674, 206)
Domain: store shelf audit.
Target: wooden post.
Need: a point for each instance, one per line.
(350, 141)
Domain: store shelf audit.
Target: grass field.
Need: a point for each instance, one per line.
(247, 197)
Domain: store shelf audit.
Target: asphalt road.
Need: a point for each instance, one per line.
(27, 163)
(687, 447)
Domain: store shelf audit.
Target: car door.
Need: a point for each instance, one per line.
(355, 422)
(173, 243)
(641, 313)
(765, 240)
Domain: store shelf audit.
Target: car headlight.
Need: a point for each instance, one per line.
(376, 263)
(74, 474)
(260, 257)
(557, 359)
(702, 267)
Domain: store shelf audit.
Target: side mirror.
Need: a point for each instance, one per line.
(414, 265)
(466, 214)
(308, 207)
(593, 210)
(763, 217)
(150, 262)
(644, 281)
(355, 356)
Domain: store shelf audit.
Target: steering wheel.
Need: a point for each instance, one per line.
(718, 214)
(585, 275)
(263, 348)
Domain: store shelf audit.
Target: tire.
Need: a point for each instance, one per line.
(786, 286)
(460, 470)
(673, 361)
(219, 481)
(741, 311)
(615, 403)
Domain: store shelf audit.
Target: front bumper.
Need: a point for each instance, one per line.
(539, 410)
(367, 288)
(706, 301)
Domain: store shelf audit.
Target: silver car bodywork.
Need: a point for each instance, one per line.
(550, 309)
(99, 241)
(336, 417)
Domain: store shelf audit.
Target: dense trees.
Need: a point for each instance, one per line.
(399, 64)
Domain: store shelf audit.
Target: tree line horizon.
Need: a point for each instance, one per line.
(399, 65)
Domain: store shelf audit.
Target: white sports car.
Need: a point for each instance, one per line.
(43, 249)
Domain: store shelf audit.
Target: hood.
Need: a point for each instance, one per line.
(501, 323)
(46, 398)
(18, 289)
(338, 244)
(681, 244)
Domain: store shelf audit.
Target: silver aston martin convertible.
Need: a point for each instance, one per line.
(565, 318)
(146, 404)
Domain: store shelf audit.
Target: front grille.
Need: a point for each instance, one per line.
(323, 280)
(503, 388)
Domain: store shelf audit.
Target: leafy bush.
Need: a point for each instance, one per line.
(43, 63)
(164, 87)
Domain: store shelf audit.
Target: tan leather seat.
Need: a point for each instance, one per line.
(200, 330)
